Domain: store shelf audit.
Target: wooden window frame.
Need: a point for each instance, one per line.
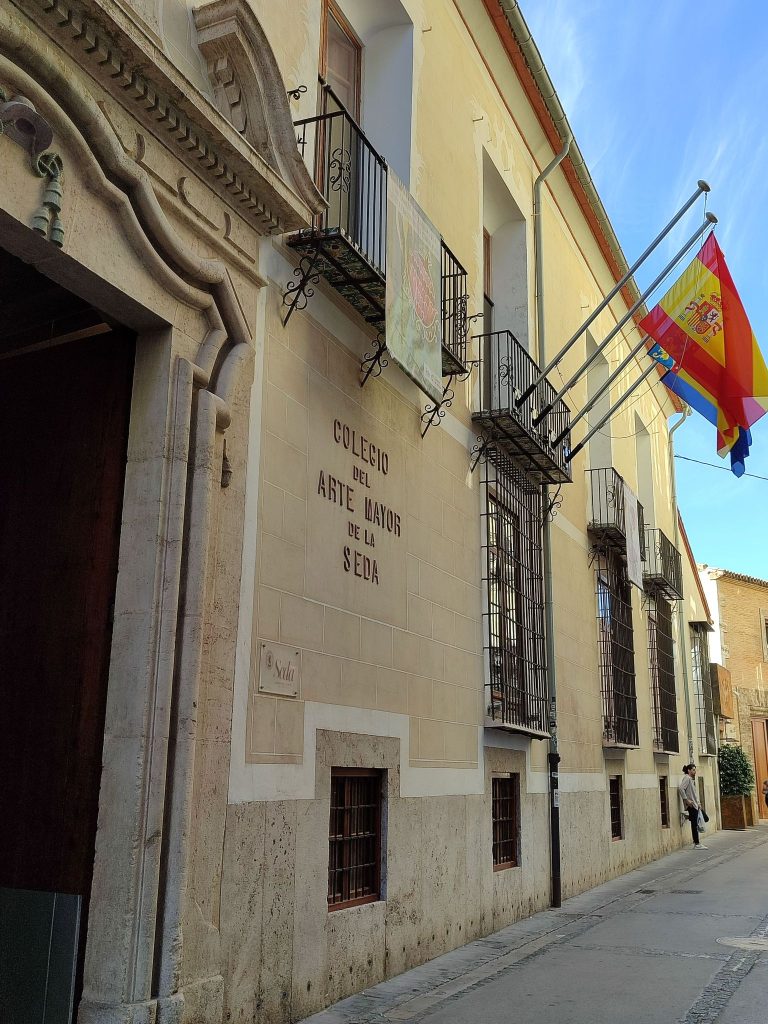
(497, 822)
(332, 10)
(615, 787)
(664, 800)
(375, 888)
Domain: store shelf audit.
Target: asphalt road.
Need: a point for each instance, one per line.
(681, 941)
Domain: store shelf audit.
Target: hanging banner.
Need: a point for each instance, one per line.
(632, 530)
(413, 290)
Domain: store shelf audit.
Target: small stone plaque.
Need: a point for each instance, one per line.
(279, 670)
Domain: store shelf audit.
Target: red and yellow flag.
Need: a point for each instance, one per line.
(714, 362)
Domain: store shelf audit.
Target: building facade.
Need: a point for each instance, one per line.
(739, 606)
(326, 654)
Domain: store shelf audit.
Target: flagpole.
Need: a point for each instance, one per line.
(644, 376)
(703, 187)
(710, 218)
(601, 391)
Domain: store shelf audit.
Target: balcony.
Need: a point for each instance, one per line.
(663, 569)
(506, 370)
(608, 520)
(347, 244)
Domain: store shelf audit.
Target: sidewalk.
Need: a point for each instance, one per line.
(684, 939)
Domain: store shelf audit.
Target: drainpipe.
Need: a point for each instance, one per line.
(553, 757)
(683, 650)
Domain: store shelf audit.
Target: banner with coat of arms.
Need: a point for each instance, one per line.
(413, 290)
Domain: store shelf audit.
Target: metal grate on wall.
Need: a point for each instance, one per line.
(702, 685)
(505, 808)
(354, 855)
(513, 578)
(664, 801)
(661, 658)
(614, 799)
(616, 649)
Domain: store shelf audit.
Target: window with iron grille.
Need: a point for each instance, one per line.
(354, 861)
(616, 650)
(664, 801)
(661, 658)
(515, 598)
(702, 686)
(505, 798)
(614, 795)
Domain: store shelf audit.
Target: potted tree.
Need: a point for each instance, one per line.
(736, 783)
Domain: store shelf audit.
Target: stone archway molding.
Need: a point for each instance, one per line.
(135, 971)
(228, 339)
(249, 89)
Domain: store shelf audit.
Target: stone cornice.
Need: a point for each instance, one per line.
(126, 62)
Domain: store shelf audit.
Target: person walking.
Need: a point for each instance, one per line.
(689, 802)
(765, 792)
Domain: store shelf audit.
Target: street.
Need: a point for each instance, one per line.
(680, 940)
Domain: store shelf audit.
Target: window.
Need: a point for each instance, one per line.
(354, 861)
(615, 640)
(661, 659)
(487, 285)
(614, 795)
(366, 58)
(702, 685)
(505, 239)
(764, 633)
(664, 801)
(600, 447)
(505, 801)
(341, 59)
(515, 600)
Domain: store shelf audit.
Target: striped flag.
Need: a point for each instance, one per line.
(706, 343)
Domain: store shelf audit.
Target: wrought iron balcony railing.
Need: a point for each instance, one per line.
(663, 570)
(506, 370)
(347, 244)
(454, 296)
(608, 513)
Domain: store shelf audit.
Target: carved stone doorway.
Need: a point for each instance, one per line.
(65, 393)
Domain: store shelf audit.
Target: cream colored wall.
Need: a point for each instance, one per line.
(409, 644)
(393, 673)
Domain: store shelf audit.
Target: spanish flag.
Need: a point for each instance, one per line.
(705, 341)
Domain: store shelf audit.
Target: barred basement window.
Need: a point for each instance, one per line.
(661, 657)
(515, 598)
(664, 801)
(702, 685)
(616, 650)
(505, 794)
(614, 794)
(354, 862)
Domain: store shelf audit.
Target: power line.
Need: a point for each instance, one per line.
(725, 469)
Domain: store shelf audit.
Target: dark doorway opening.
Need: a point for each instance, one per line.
(65, 390)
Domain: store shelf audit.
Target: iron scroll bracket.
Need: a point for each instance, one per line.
(297, 293)
(435, 412)
(374, 362)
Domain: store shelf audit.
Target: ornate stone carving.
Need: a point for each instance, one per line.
(249, 89)
(147, 83)
(21, 122)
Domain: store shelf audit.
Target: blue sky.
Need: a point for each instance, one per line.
(660, 95)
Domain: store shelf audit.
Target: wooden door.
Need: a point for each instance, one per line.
(760, 747)
(64, 415)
